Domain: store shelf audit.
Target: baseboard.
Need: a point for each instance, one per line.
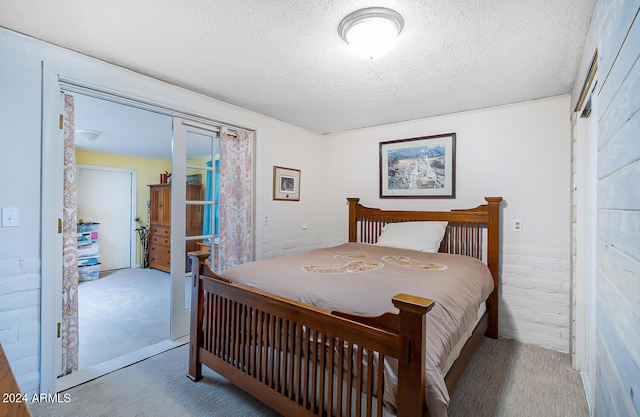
(586, 385)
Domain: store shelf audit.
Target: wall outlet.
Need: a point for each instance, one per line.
(266, 220)
(517, 225)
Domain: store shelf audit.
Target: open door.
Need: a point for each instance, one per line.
(195, 147)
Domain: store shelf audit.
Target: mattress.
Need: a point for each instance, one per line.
(457, 348)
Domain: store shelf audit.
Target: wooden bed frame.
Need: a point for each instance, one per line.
(267, 344)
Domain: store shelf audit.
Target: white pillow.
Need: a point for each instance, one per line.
(421, 236)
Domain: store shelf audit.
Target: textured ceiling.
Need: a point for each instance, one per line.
(286, 60)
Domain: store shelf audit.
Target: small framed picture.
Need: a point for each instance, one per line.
(286, 184)
(194, 179)
(422, 167)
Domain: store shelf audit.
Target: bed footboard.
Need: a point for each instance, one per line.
(302, 360)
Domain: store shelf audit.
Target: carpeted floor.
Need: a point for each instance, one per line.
(155, 387)
(125, 310)
(505, 378)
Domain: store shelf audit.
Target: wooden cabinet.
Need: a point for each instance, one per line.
(160, 205)
(160, 224)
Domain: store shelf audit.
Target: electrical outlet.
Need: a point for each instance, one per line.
(517, 225)
(266, 220)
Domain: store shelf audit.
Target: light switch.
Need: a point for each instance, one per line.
(10, 217)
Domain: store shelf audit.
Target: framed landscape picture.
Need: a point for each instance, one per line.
(286, 184)
(422, 167)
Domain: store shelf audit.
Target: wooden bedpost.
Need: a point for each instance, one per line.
(197, 260)
(493, 261)
(353, 221)
(411, 360)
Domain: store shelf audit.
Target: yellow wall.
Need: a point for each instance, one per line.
(148, 173)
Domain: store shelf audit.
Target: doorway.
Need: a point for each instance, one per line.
(119, 301)
(126, 89)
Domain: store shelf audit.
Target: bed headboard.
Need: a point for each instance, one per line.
(472, 232)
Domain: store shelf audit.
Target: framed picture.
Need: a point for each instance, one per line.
(422, 167)
(194, 179)
(286, 184)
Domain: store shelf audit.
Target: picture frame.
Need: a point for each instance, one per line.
(286, 184)
(194, 179)
(423, 167)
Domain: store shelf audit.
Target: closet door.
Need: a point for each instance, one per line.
(195, 146)
(105, 195)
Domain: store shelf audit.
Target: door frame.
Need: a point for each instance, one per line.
(133, 200)
(583, 292)
(51, 233)
(89, 77)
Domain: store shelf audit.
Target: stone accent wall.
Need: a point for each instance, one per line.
(20, 319)
(535, 298)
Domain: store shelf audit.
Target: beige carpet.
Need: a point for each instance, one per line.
(125, 310)
(505, 378)
(156, 387)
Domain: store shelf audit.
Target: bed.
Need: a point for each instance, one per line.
(277, 333)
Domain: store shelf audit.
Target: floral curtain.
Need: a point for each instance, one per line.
(236, 166)
(69, 325)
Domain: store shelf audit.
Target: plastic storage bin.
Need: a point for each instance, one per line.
(89, 272)
(88, 261)
(88, 251)
(88, 227)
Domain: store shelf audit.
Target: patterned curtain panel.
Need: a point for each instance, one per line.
(69, 326)
(236, 165)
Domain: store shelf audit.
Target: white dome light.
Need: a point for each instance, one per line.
(86, 135)
(371, 32)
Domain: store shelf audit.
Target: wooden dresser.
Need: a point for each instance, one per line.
(160, 224)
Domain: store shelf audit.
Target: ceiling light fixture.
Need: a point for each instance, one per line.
(87, 135)
(371, 31)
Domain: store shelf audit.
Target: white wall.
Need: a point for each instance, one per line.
(20, 187)
(284, 232)
(21, 278)
(520, 152)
